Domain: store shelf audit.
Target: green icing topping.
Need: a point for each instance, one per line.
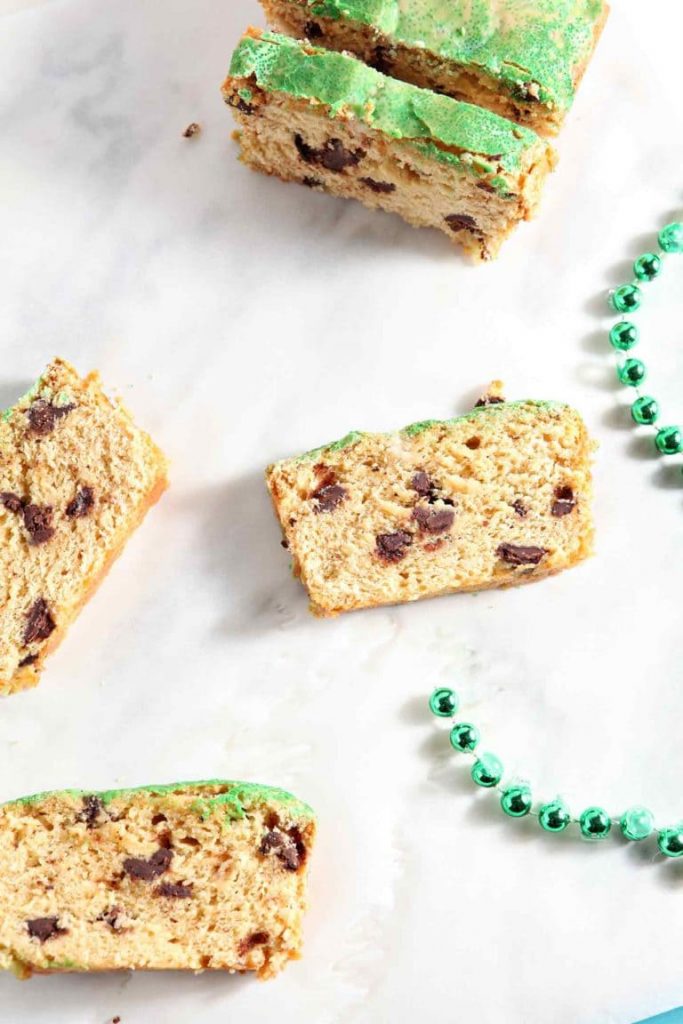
(517, 41)
(350, 88)
(232, 802)
(413, 429)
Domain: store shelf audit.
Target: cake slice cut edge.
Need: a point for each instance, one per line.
(77, 478)
(188, 876)
(328, 121)
(496, 498)
(522, 60)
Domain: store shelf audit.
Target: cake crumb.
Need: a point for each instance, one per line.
(192, 130)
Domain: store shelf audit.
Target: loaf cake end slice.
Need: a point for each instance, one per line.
(76, 478)
(191, 876)
(522, 60)
(330, 122)
(498, 497)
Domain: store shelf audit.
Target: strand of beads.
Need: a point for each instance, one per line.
(516, 799)
(625, 335)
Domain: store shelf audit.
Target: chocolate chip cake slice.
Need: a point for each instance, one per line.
(76, 478)
(190, 876)
(498, 497)
(328, 121)
(522, 59)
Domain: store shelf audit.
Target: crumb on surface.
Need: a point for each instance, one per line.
(192, 129)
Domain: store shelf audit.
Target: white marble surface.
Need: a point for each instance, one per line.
(243, 320)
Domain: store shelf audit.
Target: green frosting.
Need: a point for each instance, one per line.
(232, 802)
(413, 429)
(519, 42)
(350, 88)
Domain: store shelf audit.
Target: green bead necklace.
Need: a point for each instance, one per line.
(624, 336)
(516, 800)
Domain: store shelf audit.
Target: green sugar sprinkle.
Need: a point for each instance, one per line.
(518, 42)
(350, 88)
(232, 802)
(413, 429)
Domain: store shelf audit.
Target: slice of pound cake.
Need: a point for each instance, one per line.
(76, 478)
(192, 876)
(522, 59)
(328, 121)
(498, 497)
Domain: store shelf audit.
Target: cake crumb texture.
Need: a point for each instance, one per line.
(499, 497)
(76, 478)
(329, 122)
(190, 876)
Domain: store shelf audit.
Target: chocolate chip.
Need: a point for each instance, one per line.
(38, 523)
(174, 891)
(271, 841)
(392, 547)
(44, 928)
(422, 484)
(379, 186)
(92, 808)
(42, 416)
(486, 187)
(335, 157)
(461, 222)
(520, 508)
(192, 130)
(39, 622)
(473, 443)
(82, 504)
(515, 554)
(158, 818)
(239, 104)
(12, 502)
(306, 152)
(380, 60)
(312, 30)
(487, 400)
(190, 841)
(328, 498)
(288, 847)
(433, 520)
(113, 917)
(30, 659)
(148, 870)
(256, 939)
(311, 182)
(564, 502)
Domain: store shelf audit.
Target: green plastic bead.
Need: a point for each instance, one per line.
(645, 411)
(516, 801)
(464, 737)
(637, 823)
(627, 299)
(487, 771)
(670, 842)
(632, 373)
(554, 817)
(648, 266)
(444, 702)
(595, 823)
(624, 336)
(671, 237)
(669, 441)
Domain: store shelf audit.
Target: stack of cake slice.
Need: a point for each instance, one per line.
(438, 112)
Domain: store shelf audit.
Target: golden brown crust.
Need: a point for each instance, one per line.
(29, 676)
